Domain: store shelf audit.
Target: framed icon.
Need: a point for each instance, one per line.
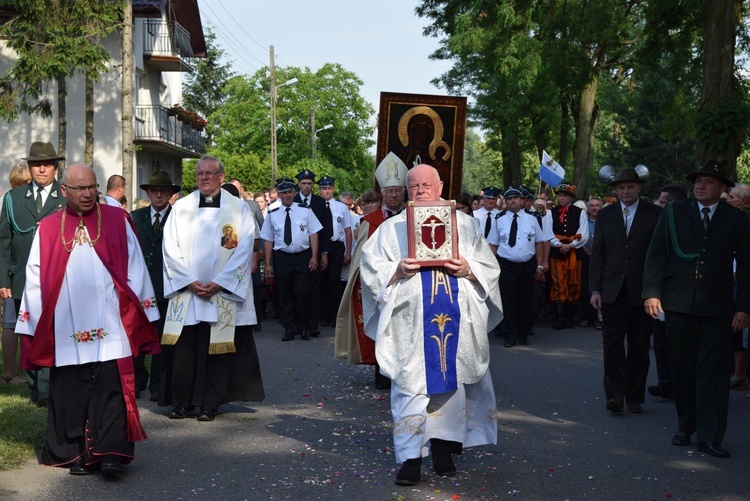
(426, 129)
(433, 235)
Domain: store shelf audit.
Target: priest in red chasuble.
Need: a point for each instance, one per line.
(86, 311)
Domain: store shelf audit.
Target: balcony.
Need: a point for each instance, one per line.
(157, 130)
(166, 45)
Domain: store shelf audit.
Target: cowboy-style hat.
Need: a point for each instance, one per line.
(40, 151)
(715, 169)
(638, 174)
(161, 179)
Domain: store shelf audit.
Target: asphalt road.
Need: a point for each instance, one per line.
(323, 433)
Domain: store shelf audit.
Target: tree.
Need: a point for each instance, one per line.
(203, 90)
(243, 120)
(53, 40)
(506, 50)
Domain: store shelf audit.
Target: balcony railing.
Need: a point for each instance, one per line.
(166, 40)
(153, 123)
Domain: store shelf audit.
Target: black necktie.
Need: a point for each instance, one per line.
(39, 203)
(513, 231)
(706, 211)
(488, 225)
(156, 225)
(305, 202)
(288, 228)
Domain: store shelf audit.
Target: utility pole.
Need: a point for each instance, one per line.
(312, 130)
(272, 90)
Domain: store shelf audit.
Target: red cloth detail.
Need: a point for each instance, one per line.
(136, 432)
(366, 344)
(562, 213)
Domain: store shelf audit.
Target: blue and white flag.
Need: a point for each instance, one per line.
(550, 171)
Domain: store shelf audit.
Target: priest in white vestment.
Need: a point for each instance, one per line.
(86, 311)
(209, 352)
(430, 328)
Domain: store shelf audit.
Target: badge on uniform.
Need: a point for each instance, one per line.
(528, 237)
(302, 227)
(229, 236)
(503, 238)
(339, 219)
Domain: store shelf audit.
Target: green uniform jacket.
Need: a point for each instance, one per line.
(151, 245)
(18, 225)
(701, 286)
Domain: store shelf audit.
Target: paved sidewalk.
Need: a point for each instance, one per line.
(323, 433)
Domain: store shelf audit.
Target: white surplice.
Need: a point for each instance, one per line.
(88, 327)
(192, 251)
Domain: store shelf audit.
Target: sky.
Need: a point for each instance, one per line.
(380, 41)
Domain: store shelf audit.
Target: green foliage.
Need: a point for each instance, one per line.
(203, 90)
(243, 124)
(53, 40)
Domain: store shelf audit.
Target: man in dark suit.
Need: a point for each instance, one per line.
(621, 238)
(689, 275)
(305, 181)
(24, 207)
(149, 224)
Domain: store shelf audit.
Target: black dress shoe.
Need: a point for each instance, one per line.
(177, 413)
(81, 468)
(207, 415)
(614, 405)
(634, 407)
(509, 344)
(305, 335)
(681, 439)
(712, 449)
(288, 336)
(660, 391)
(443, 464)
(315, 333)
(111, 466)
(154, 396)
(410, 472)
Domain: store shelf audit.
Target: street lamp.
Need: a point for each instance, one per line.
(315, 137)
(273, 95)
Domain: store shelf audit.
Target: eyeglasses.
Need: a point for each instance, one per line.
(81, 189)
(207, 173)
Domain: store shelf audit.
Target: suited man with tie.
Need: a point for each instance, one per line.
(24, 207)
(487, 214)
(305, 181)
(622, 234)
(689, 276)
(149, 226)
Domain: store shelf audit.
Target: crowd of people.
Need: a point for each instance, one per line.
(187, 280)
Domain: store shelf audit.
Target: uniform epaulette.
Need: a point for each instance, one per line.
(533, 213)
(274, 210)
(300, 204)
(500, 214)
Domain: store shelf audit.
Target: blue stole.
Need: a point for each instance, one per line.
(441, 320)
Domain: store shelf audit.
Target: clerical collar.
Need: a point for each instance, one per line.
(390, 213)
(210, 201)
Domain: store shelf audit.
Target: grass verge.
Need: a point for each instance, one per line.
(22, 425)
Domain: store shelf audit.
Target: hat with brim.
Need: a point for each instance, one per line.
(627, 175)
(490, 192)
(512, 191)
(713, 168)
(568, 189)
(161, 180)
(284, 184)
(40, 151)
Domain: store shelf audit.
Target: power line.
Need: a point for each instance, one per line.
(227, 35)
(264, 47)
